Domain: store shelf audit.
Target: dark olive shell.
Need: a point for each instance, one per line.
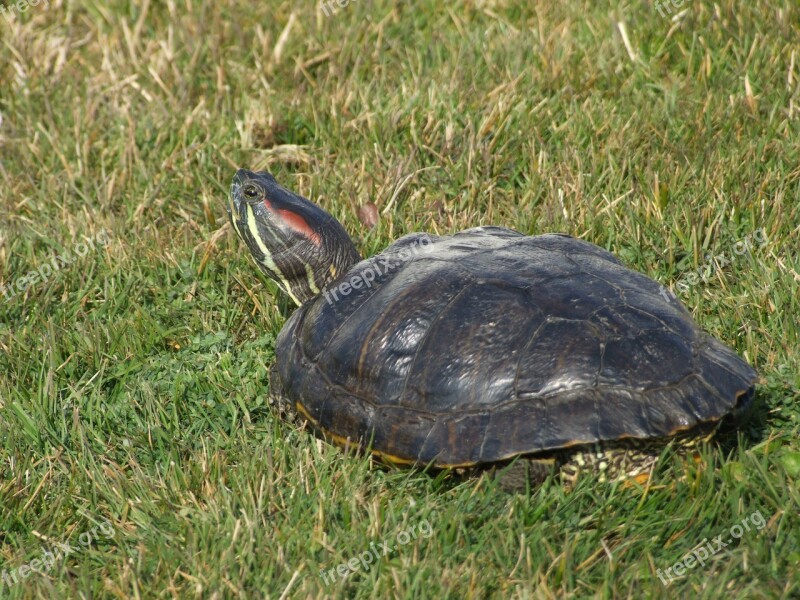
(488, 344)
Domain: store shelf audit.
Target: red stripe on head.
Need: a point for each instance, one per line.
(294, 222)
(297, 223)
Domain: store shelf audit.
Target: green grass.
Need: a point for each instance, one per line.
(133, 381)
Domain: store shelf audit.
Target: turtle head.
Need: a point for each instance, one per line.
(294, 241)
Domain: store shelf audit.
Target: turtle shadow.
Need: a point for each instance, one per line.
(747, 429)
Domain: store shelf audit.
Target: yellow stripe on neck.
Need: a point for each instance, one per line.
(268, 262)
(312, 285)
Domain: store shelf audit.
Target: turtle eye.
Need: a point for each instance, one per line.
(251, 191)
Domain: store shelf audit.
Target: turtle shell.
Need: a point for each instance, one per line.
(478, 347)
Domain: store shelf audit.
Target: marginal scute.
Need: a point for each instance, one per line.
(488, 344)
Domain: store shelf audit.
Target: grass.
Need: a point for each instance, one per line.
(133, 379)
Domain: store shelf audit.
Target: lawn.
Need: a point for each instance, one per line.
(139, 457)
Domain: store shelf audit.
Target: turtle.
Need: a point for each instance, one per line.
(484, 350)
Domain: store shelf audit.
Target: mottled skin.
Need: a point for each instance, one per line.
(472, 349)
